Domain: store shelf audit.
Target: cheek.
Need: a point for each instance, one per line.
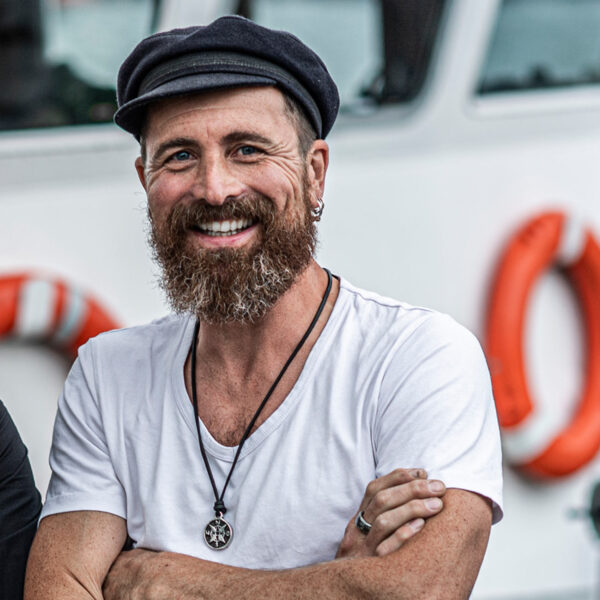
(164, 192)
(283, 186)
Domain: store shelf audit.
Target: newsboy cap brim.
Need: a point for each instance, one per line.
(230, 52)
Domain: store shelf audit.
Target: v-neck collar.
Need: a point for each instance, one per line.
(274, 420)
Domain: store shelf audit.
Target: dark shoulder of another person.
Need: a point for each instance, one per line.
(20, 507)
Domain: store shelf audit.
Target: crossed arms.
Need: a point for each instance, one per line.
(78, 555)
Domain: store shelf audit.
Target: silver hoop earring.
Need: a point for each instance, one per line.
(317, 211)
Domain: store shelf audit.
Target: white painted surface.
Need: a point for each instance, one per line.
(419, 205)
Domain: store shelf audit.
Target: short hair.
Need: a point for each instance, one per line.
(304, 128)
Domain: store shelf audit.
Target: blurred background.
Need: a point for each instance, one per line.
(462, 120)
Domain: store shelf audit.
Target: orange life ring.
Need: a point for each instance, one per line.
(48, 309)
(532, 250)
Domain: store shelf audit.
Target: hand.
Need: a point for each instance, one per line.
(125, 576)
(396, 505)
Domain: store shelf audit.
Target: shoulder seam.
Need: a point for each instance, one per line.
(391, 303)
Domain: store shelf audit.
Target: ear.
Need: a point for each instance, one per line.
(318, 161)
(139, 167)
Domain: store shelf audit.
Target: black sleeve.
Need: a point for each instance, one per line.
(20, 507)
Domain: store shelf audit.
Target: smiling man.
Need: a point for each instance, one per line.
(273, 438)
(241, 255)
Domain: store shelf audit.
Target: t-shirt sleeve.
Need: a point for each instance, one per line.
(436, 411)
(83, 477)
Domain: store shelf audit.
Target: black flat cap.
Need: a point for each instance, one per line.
(230, 52)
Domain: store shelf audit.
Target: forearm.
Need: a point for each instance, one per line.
(166, 575)
(58, 584)
(71, 555)
(441, 562)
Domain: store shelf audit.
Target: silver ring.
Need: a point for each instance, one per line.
(362, 524)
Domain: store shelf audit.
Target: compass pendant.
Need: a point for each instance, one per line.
(218, 533)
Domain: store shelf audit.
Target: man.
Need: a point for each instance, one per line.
(266, 425)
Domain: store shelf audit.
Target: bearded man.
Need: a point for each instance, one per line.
(272, 438)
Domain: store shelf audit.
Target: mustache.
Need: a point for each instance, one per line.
(255, 207)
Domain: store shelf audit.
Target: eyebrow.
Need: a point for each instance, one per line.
(173, 143)
(246, 136)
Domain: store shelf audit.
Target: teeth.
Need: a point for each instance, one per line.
(221, 228)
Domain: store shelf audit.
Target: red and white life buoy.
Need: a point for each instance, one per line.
(50, 310)
(543, 241)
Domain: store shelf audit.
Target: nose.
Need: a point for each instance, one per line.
(216, 181)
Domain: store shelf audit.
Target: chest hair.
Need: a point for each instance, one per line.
(227, 409)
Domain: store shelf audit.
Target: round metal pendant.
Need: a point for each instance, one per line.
(218, 533)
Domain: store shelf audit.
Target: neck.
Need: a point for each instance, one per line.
(242, 347)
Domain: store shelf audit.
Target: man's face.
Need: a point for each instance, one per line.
(229, 201)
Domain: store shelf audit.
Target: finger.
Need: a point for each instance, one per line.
(388, 523)
(399, 537)
(392, 497)
(396, 477)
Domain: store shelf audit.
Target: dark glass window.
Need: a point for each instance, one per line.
(377, 50)
(541, 44)
(59, 58)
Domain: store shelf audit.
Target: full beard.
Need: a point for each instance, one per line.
(226, 285)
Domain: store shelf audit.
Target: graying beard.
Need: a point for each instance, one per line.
(246, 305)
(249, 295)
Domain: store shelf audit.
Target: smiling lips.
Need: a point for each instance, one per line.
(224, 228)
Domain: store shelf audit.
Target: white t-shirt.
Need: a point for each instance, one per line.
(386, 385)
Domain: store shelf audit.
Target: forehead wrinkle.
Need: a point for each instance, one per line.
(254, 99)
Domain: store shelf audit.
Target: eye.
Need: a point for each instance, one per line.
(247, 150)
(181, 155)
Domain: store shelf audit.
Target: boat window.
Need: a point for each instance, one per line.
(378, 51)
(542, 44)
(60, 58)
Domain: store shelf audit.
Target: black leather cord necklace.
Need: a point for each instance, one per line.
(218, 533)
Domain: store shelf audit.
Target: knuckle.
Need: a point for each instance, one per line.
(381, 523)
(381, 550)
(419, 487)
(401, 476)
(372, 487)
(381, 499)
(416, 507)
(404, 533)
(346, 545)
